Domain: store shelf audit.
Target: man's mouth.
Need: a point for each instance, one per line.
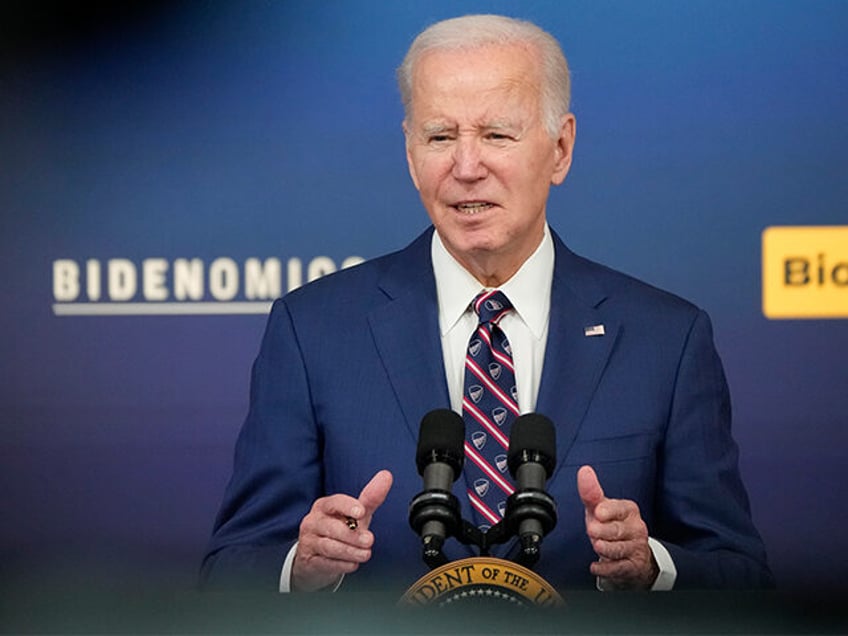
(473, 207)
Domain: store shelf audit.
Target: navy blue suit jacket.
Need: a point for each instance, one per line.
(351, 363)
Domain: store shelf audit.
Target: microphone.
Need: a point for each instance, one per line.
(434, 513)
(531, 459)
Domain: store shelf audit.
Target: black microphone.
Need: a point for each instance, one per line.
(531, 459)
(434, 513)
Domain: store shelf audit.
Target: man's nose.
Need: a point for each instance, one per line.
(468, 160)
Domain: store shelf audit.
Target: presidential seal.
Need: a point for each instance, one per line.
(480, 580)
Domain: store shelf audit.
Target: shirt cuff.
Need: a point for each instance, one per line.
(668, 572)
(285, 574)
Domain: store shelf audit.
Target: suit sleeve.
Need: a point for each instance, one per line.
(277, 471)
(703, 516)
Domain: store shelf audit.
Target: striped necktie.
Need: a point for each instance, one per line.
(489, 405)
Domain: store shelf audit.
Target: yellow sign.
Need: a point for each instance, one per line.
(482, 579)
(805, 272)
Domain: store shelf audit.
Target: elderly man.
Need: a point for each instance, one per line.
(647, 484)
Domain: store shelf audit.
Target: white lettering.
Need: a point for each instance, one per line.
(262, 282)
(122, 279)
(188, 279)
(223, 279)
(182, 279)
(295, 273)
(153, 272)
(92, 279)
(350, 261)
(320, 266)
(66, 285)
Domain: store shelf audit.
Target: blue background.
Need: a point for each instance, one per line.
(272, 129)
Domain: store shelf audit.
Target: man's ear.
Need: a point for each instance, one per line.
(409, 163)
(564, 148)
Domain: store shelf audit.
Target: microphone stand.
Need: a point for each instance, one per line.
(443, 506)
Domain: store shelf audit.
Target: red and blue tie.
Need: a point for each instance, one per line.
(489, 406)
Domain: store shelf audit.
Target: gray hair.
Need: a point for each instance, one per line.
(475, 31)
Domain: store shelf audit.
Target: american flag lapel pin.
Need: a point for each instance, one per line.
(593, 330)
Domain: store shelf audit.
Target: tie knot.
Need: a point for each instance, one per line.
(491, 306)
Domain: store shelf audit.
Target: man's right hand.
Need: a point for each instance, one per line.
(327, 546)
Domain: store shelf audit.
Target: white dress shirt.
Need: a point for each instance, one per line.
(526, 328)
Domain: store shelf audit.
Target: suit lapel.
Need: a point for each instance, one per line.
(406, 333)
(574, 357)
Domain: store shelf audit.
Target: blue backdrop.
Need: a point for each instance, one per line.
(150, 153)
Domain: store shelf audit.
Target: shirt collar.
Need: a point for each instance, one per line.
(529, 289)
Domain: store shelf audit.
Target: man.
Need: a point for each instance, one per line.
(647, 483)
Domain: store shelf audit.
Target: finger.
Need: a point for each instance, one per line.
(617, 550)
(589, 488)
(374, 493)
(617, 510)
(638, 573)
(336, 529)
(619, 571)
(339, 506)
(333, 550)
(607, 531)
(633, 528)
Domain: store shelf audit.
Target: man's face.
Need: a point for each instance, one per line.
(480, 156)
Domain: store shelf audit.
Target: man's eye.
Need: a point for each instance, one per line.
(438, 138)
(498, 136)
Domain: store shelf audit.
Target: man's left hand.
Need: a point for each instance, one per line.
(619, 536)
